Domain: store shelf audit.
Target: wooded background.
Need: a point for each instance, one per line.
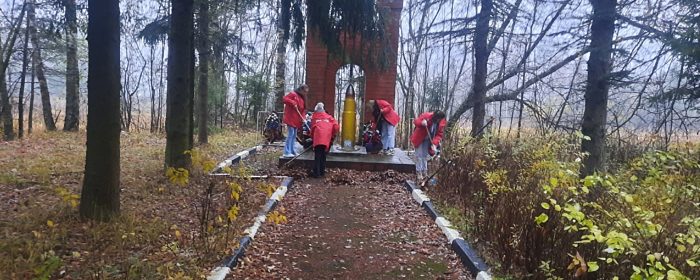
(523, 62)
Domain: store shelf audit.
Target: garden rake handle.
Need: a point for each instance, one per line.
(302, 119)
(430, 136)
(295, 157)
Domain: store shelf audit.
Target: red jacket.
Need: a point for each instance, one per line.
(323, 128)
(421, 131)
(291, 115)
(388, 112)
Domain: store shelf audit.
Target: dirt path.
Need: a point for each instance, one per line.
(349, 230)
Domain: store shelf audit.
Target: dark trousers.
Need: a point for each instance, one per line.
(319, 161)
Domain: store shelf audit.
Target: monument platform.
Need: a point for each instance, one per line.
(357, 160)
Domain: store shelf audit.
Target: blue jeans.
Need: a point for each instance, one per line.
(388, 135)
(291, 140)
(422, 155)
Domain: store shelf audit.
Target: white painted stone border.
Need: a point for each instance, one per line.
(220, 272)
(459, 245)
(236, 158)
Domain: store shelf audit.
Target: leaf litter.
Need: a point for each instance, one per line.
(351, 225)
(157, 235)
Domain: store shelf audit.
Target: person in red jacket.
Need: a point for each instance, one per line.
(386, 119)
(323, 128)
(426, 137)
(293, 109)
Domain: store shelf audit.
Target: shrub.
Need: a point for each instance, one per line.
(529, 204)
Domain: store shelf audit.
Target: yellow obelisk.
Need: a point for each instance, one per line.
(349, 115)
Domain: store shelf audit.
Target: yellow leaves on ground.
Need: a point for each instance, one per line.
(47, 217)
(181, 175)
(72, 199)
(276, 217)
(268, 188)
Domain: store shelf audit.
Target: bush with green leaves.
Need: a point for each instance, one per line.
(541, 220)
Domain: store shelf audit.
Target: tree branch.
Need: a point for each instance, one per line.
(469, 103)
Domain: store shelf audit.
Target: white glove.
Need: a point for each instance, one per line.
(433, 147)
(424, 123)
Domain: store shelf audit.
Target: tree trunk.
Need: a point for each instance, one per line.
(8, 128)
(23, 80)
(179, 91)
(190, 144)
(151, 81)
(280, 72)
(204, 55)
(161, 87)
(71, 121)
(282, 38)
(481, 58)
(31, 102)
(224, 95)
(100, 195)
(597, 86)
(39, 67)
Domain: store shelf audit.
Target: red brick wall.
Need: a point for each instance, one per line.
(321, 69)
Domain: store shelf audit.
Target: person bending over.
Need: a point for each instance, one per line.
(386, 119)
(323, 128)
(426, 137)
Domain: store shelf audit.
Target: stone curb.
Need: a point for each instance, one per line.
(235, 159)
(230, 262)
(468, 256)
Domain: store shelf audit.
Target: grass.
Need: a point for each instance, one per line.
(424, 267)
(160, 233)
(461, 221)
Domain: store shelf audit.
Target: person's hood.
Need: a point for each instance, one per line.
(319, 107)
(321, 115)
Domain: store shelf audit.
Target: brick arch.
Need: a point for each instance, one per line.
(337, 64)
(321, 67)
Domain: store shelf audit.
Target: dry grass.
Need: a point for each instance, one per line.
(515, 202)
(160, 232)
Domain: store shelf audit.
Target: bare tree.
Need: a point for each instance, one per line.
(71, 121)
(6, 54)
(39, 68)
(30, 119)
(469, 103)
(481, 58)
(413, 48)
(22, 83)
